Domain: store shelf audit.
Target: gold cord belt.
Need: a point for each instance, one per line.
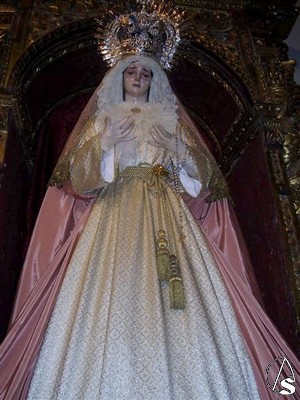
(167, 264)
(146, 172)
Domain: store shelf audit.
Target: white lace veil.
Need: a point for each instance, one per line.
(110, 91)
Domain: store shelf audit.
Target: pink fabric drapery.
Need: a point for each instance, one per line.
(47, 259)
(263, 341)
(58, 226)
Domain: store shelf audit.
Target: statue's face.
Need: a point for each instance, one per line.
(137, 80)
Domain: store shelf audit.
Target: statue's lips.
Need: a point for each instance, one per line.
(136, 85)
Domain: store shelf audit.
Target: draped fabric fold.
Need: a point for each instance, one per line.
(263, 341)
(47, 259)
(86, 178)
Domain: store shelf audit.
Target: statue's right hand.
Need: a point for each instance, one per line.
(117, 131)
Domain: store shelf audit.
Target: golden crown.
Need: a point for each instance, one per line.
(149, 28)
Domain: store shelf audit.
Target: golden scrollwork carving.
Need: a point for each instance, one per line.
(292, 157)
(290, 224)
(204, 21)
(283, 150)
(6, 20)
(216, 31)
(6, 103)
(282, 135)
(6, 14)
(282, 127)
(48, 16)
(283, 118)
(213, 29)
(6, 17)
(219, 4)
(277, 75)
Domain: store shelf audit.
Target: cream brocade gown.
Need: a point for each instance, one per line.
(112, 334)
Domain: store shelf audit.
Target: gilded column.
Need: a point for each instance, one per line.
(280, 112)
(6, 99)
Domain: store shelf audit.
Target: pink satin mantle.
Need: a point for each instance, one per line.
(58, 227)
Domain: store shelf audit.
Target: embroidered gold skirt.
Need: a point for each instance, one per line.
(113, 335)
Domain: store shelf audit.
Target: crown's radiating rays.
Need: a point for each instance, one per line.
(145, 28)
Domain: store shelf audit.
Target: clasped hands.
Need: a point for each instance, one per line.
(121, 131)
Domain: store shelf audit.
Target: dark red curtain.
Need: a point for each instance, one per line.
(22, 193)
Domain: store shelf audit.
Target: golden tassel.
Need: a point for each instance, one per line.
(176, 289)
(162, 256)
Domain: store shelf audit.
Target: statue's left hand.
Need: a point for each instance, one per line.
(160, 137)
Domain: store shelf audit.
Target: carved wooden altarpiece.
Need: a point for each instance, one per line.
(235, 79)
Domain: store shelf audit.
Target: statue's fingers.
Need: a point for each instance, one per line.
(161, 135)
(131, 125)
(164, 132)
(127, 128)
(127, 131)
(153, 143)
(154, 129)
(127, 138)
(155, 135)
(126, 121)
(158, 142)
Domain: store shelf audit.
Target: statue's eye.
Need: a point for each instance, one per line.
(130, 72)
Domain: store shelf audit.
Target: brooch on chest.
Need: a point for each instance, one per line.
(135, 110)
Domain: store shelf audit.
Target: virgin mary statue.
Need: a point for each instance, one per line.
(126, 294)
